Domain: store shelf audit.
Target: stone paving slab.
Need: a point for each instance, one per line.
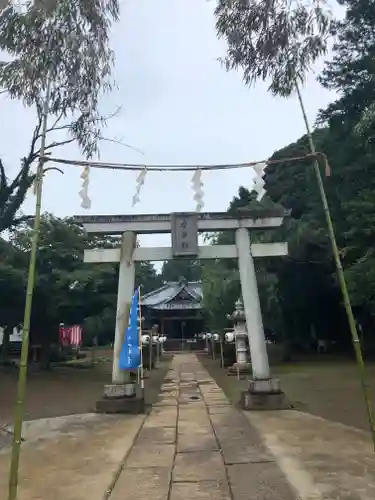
(221, 409)
(143, 484)
(198, 466)
(193, 413)
(144, 455)
(259, 482)
(238, 452)
(234, 428)
(167, 417)
(203, 490)
(194, 417)
(160, 435)
(201, 441)
(216, 402)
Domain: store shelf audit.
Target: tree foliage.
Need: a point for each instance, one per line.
(63, 44)
(12, 195)
(304, 284)
(174, 270)
(276, 41)
(66, 289)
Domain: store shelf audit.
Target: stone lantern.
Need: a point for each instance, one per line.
(240, 334)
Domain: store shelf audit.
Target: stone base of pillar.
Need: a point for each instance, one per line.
(241, 368)
(131, 406)
(120, 398)
(264, 395)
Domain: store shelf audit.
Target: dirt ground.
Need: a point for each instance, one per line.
(66, 390)
(327, 389)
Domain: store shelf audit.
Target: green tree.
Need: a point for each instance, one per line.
(299, 298)
(65, 43)
(273, 41)
(68, 290)
(12, 291)
(12, 195)
(351, 128)
(174, 270)
(351, 70)
(221, 283)
(221, 288)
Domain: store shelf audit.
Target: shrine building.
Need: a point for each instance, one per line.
(176, 308)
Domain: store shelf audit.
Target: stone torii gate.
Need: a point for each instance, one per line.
(184, 228)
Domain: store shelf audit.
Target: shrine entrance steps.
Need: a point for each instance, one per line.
(195, 445)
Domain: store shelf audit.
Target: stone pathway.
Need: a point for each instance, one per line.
(195, 444)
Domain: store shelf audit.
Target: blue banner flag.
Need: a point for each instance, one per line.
(130, 357)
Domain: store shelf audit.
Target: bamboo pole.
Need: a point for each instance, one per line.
(341, 276)
(22, 377)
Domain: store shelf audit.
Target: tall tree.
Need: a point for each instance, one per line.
(61, 63)
(273, 41)
(62, 44)
(351, 122)
(350, 73)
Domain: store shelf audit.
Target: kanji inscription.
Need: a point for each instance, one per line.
(184, 228)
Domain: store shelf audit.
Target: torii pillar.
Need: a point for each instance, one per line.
(120, 396)
(264, 391)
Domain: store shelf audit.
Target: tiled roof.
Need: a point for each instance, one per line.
(160, 298)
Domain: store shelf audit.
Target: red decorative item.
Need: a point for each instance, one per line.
(71, 336)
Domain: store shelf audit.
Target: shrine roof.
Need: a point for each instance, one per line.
(175, 295)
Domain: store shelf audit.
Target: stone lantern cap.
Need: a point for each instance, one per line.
(238, 315)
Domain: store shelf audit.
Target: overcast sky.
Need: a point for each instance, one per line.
(178, 105)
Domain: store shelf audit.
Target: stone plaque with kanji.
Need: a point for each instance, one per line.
(184, 227)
